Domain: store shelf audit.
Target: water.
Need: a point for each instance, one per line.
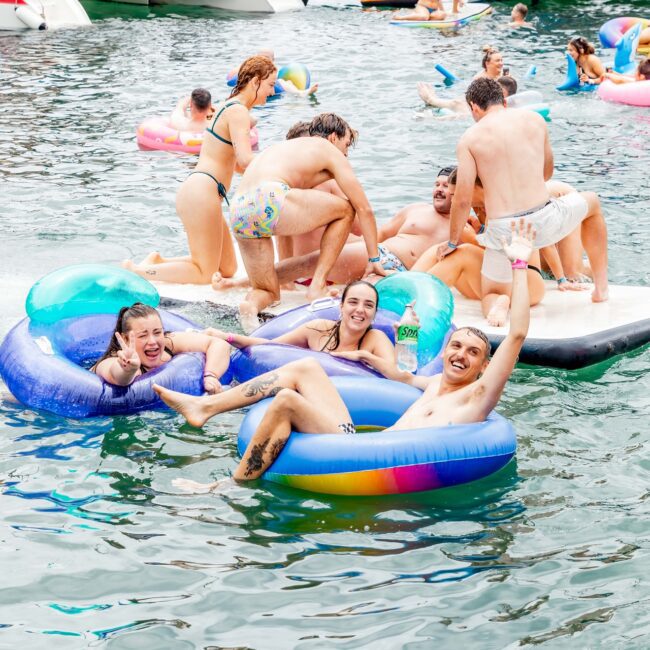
(99, 550)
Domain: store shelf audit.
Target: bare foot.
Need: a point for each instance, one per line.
(248, 317)
(187, 485)
(193, 409)
(129, 265)
(498, 315)
(314, 292)
(579, 277)
(427, 93)
(219, 283)
(153, 258)
(599, 295)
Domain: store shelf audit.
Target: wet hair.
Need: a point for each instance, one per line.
(447, 171)
(255, 67)
(489, 51)
(201, 98)
(298, 130)
(122, 325)
(325, 124)
(480, 334)
(334, 333)
(521, 9)
(509, 84)
(582, 45)
(644, 69)
(484, 93)
(453, 177)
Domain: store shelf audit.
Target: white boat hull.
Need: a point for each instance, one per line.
(260, 6)
(41, 14)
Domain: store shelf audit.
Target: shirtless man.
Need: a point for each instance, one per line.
(193, 113)
(468, 388)
(403, 239)
(276, 197)
(518, 16)
(510, 152)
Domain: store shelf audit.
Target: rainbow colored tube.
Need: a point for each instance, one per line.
(613, 30)
(386, 462)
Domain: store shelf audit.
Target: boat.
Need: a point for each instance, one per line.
(256, 6)
(41, 14)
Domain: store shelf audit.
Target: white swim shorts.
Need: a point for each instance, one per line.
(552, 221)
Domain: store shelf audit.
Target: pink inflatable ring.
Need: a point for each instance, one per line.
(635, 93)
(157, 133)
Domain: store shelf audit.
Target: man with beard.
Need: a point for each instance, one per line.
(403, 239)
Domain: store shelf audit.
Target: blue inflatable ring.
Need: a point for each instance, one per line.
(255, 360)
(386, 462)
(43, 366)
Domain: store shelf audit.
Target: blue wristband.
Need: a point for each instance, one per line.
(452, 246)
(374, 260)
(561, 280)
(481, 230)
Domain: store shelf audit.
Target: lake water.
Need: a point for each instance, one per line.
(99, 550)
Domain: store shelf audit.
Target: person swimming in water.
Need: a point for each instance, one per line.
(590, 67)
(193, 113)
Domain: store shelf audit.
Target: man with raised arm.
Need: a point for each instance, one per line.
(276, 197)
(510, 152)
(304, 398)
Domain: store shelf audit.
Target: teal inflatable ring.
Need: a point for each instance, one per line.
(87, 289)
(434, 305)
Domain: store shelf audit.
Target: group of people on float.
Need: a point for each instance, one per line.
(306, 184)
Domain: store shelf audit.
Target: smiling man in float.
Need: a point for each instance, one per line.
(304, 398)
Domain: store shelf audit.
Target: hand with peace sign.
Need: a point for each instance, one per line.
(127, 357)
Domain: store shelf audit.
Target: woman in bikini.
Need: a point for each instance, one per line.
(426, 10)
(590, 68)
(226, 148)
(140, 344)
(353, 331)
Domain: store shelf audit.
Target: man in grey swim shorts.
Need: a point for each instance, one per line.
(510, 152)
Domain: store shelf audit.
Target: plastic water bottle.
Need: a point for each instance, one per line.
(407, 341)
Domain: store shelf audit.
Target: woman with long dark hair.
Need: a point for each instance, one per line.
(140, 344)
(353, 331)
(226, 148)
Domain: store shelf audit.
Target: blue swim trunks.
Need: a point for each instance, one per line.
(390, 261)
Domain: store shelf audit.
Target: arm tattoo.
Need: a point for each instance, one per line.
(261, 386)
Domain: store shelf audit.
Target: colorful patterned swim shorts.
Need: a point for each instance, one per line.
(254, 214)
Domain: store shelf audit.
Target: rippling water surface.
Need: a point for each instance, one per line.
(99, 550)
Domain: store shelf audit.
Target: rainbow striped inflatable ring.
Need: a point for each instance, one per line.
(386, 462)
(157, 134)
(612, 31)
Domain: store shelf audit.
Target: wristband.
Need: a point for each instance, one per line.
(230, 339)
(561, 280)
(481, 230)
(452, 246)
(519, 264)
(374, 260)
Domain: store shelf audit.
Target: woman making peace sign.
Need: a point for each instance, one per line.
(140, 344)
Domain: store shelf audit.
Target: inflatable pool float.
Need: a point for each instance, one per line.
(613, 30)
(297, 73)
(44, 359)
(389, 4)
(156, 133)
(45, 366)
(572, 79)
(385, 462)
(531, 100)
(636, 93)
(469, 13)
(434, 305)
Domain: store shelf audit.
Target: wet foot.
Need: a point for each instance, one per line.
(153, 258)
(574, 286)
(248, 317)
(599, 295)
(315, 291)
(193, 409)
(498, 315)
(219, 283)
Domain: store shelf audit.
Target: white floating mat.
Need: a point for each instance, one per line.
(468, 13)
(567, 330)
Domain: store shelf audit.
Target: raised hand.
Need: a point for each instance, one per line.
(127, 357)
(521, 242)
